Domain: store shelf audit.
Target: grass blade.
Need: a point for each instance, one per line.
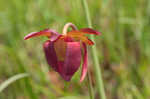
(6, 83)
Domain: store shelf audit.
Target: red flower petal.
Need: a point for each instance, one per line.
(79, 36)
(60, 48)
(72, 60)
(89, 31)
(84, 66)
(68, 65)
(50, 55)
(47, 32)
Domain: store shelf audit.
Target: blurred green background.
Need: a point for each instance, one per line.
(123, 48)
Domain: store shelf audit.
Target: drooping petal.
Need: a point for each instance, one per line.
(78, 36)
(85, 61)
(72, 60)
(60, 48)
(89, 31)
(47, 32)
(65, 64)
(50, 55)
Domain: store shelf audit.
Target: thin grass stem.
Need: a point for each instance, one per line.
(91, 92)
(97, 68)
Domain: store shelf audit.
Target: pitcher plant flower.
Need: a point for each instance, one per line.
(64, 51)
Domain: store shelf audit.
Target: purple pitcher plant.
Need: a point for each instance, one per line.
(64, 51)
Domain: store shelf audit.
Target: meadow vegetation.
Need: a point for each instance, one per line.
(123, 48)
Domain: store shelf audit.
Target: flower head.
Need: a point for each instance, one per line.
(63, 52)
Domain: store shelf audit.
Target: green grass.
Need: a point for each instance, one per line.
(123, 48)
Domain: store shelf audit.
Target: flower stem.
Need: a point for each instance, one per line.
(65, 29)
(97, 68)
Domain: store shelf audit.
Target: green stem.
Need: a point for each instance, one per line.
(97, 68)
(91, 92)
